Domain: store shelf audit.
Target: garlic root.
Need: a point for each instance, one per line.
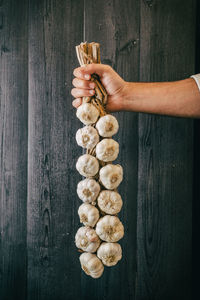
(88, 214)
(88, 190)
(87, 239)
(110, 228)
(109, 253)
(110, 202)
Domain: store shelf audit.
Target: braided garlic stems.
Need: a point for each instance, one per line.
(102, 229)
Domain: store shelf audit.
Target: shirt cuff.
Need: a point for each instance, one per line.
(196, 77)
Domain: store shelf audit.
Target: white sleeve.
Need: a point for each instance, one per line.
(196, 77)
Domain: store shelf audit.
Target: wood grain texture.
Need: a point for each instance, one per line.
(196, 181)
(55, 28)
(115, 25)
(167, 41)
(13, 148)
(142, 40)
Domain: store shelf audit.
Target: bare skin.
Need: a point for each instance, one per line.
(176, 98)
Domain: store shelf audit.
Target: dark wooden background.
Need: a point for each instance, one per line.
(146, 40)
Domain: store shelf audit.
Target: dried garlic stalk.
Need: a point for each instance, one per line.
(101, 221)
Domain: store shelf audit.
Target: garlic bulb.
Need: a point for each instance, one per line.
(88, 214)
(107, 126)
(110, 229)
(109, 202)
(109, 253)
(87, 137)
(107, 150)
(87, 113)
(87, 165)
(111, 176)
(91, 265)
(87, 239)
(88, 190)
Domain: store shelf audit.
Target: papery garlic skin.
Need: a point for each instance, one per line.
(107, 150)
(87, 165)
(87, 113)
(87, 239)
(111, 176)
(109, 253)
(88, 190)
(91, 265)
(110, 202)
(110, 228)
(107, 126)
(87, 137)
(88, 214)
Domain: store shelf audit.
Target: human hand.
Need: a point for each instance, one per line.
(111, 81)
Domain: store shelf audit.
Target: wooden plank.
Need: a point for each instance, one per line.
(196, 202)
(13, 148)
(53, 264)
(164, 230)
(115, 25)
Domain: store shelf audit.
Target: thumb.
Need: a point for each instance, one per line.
(85, 72)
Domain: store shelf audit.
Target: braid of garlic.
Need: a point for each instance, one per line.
(98, 190)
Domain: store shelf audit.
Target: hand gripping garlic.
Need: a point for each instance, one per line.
(87, 239)
(87, 137)
(88, 214)
(87, 165)
(87, 113)
(107, 126)
(110, 228)
(91, 265)
(111, 176)
(109, 202)
(107, 150)
(109, 253)
(88, 190)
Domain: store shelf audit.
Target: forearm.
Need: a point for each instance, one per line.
(177, 98)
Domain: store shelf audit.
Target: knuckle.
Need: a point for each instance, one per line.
(108, 67)
(92, 65)
(84, 84)
(89, 67)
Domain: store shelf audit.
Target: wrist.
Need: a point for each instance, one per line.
(128, 95)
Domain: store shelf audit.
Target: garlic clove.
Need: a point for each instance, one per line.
(87, 165)
(87, 113)
(107, 125)
(91, 265)
(110, 202)
(107, 150)
(88, 214)
(109, 253)
(87, 137)
(88, 190)
(111, 176)
(110, 228)
(87, 239)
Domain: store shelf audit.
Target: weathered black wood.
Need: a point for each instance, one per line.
(55, 27)
(167, 47)
(13, 148)
(196, 192)
(115, 25)
(142, 40)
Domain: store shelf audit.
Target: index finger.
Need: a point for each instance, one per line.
(79, 73)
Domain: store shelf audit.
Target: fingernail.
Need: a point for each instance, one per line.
(92, 92)
(92, 85)
(87, 76)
